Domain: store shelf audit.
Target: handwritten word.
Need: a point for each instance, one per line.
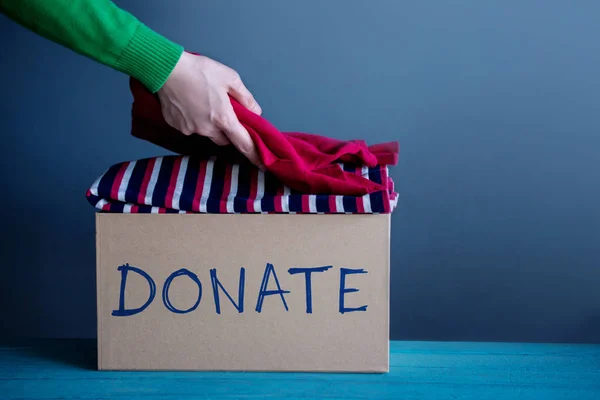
(218, 287)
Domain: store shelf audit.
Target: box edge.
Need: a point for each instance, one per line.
(99, 347)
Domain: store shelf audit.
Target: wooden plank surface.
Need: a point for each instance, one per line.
(65, 369)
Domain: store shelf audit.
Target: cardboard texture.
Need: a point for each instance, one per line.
(161, 261)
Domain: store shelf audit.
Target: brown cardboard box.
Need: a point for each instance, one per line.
(152, 314)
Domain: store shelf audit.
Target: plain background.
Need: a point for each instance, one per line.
(495, 104)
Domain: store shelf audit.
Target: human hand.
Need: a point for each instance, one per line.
(194, 100)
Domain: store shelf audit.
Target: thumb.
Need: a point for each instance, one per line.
(239, 92)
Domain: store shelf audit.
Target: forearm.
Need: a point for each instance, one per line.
(101, 31)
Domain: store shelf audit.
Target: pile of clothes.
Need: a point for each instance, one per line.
(304, 173)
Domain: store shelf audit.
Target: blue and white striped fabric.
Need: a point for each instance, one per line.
(183, 184)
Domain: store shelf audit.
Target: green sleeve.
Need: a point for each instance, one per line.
(101, 31)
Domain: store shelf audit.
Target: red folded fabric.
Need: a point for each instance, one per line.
(305, 162)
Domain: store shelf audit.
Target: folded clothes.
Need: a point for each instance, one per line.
(190, 184)
(305, 162)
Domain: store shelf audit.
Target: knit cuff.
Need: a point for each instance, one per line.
(149, 57)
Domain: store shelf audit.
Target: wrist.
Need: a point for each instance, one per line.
(180, 71)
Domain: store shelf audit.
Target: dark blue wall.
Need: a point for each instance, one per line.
(496, 105)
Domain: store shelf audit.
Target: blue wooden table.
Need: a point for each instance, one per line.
(419, 370)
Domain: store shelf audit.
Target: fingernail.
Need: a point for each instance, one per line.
(257, 109)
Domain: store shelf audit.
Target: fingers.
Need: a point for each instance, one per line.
(239, 92)
(240, 138)
(198, 102)
(220, 139)
(175, 118)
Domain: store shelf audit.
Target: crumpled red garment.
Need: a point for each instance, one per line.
(305, 162)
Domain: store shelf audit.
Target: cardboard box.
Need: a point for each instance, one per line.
(243, 292)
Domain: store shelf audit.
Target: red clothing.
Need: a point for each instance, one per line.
(305, 162)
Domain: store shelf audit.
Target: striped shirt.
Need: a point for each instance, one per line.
(184, 184)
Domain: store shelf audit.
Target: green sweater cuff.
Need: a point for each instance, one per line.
(149, 57)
